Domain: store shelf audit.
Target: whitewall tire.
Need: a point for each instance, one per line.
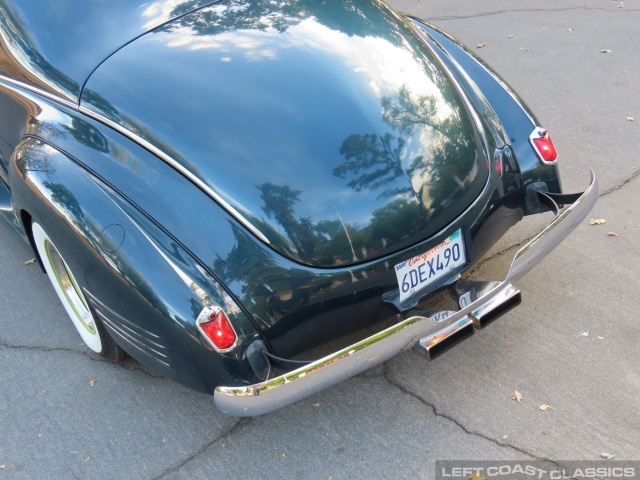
(74, 301)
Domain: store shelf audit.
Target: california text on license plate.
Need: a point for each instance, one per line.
(418, 272)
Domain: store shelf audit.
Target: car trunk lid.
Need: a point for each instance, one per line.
(327, 126)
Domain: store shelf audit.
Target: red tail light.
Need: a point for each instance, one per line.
(216, 327)
(544, 146)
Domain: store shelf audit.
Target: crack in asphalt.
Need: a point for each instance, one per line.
(408, 392)
(236, 427)
(499, 254)
(241, 423)
(621, 185)
(466, 430)
(41, 348)
(529, 10)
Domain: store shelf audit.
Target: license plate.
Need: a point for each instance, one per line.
(418, 272)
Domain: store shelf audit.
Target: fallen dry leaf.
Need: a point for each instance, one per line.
(315, 405)
(505, 437)
(92, 383)
(571, 29)
(600, 338)
(480, 45)
(597, 221)
(284, 456)
(613, 234)
(509, 36)
(517, 396)
(630, 119)
(605, 50)
(544, 407)
(33, 260)
(87, 459)
(2, 467)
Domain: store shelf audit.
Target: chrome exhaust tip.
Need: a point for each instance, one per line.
(442, 340)
(469, 291)
(502, 303)
(437, 343)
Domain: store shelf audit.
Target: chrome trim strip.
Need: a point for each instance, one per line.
(465, 98)
(137, 330)
(417, 21)
(178, 167)
(280, 391)
(17, 85)
(152, 355)
(126, 334)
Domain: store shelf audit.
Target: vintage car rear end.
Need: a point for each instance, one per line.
(283, 175)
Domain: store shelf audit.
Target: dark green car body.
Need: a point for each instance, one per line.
(276, 158)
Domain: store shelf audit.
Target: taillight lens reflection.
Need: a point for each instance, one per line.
(544, 145)
(218, 329)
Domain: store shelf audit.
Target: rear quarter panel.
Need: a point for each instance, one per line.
(146, 286)
(492, 94)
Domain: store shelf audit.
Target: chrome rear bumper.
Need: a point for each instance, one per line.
(476, 305)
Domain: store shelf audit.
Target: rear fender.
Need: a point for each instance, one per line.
(495, 100)
(145, 287)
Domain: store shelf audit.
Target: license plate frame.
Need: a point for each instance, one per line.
(417, 273)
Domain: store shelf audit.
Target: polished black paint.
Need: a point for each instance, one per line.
(296, 307)
(150, 288)
(95, 177)
(329, 125)
(56, 44)
(506, 114)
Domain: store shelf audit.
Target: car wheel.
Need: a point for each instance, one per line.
(82, 315)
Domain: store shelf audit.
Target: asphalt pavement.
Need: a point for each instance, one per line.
(572, 345)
